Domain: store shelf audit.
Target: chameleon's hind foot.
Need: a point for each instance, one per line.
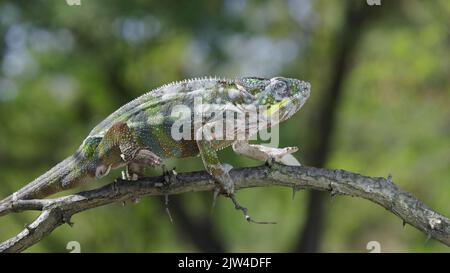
(142, 157)
(137, 163)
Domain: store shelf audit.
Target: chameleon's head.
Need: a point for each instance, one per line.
(282, 95)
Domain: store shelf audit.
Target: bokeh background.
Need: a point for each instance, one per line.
(380, 105)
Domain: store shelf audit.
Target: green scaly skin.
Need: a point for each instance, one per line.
(139, 133)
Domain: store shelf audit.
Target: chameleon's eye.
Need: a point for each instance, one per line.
(280, 90)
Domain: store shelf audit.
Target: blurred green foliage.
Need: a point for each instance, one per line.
(65, 68)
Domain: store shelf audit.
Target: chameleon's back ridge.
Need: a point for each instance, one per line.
(157, 96)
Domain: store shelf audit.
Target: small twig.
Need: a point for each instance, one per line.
(245, 211)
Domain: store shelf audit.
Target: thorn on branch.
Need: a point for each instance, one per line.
(66, 218)
(333, 194)
(333, 191)
(429, 235)
(166, 203)
(295, 189)
(215, 195)
(114, 187)
(389, 179)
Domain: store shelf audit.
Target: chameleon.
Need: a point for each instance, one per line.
(140, 133)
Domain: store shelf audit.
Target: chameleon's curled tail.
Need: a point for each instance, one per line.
(65, 175)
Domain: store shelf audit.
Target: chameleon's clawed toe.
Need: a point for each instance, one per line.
(129, 176)
(102, 171)
(125, 175)
(270, 161)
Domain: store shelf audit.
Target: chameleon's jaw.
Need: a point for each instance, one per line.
(297, 100)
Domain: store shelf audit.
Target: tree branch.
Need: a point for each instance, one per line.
(381, 191)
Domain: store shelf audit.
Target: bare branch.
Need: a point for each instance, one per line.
(382, 191)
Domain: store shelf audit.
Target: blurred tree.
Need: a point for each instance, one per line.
(357, 18)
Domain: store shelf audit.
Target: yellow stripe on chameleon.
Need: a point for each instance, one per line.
(276, 107)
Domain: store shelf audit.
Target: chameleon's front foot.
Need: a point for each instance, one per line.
(282, 156)
(269, 162)
(221, 173)
(225, 186)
